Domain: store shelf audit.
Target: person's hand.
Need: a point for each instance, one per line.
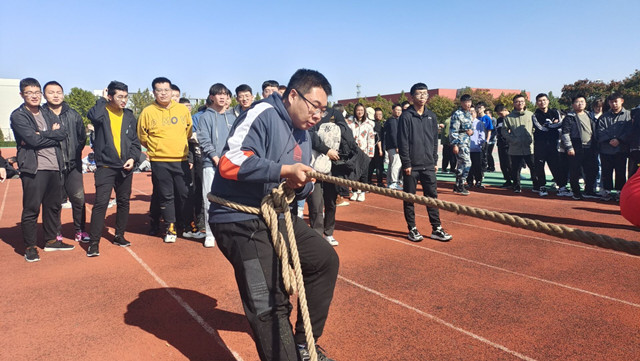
(571, 152)
(105, 93)
(55, 126)
(3, 174)
(190, 165)
(614, 142)
(469, 132)
(455, 150)
(128, 165)
(407, 171)
(215, 159)
(381, 153)
(436, 168)
(295, 174)
(333, 154)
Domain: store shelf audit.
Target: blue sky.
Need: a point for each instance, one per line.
(385, 46)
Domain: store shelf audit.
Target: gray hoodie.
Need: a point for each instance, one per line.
(212, 133)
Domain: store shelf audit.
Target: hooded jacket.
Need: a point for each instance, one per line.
(260, 141)
(29, 138)
(418, 139)
(76, 138)
(613, 126)
(212, 132)
(104, 150)
(165, 132)
(518, 131)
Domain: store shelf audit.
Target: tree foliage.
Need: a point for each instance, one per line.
(592, 90)
(441, 106)
(379, 102)
(81, 101)
(139, 100)
(403, 97)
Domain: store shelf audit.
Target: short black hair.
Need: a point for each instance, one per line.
(499, 108)
(418, 86)
(598, 103)
(28, 82)
(338, 107)
(243, 88)
(305, 79)
(268, 83)
(465, 97)
(406, 102)
(377, 109)
(219, 88)
(396, 105)
(282, 87)
(53, 82)
(541, 95)
(518, 96)
(175, 87)
(573, 100)
(116, 85)
(481, 104)
(159, 80)
(184, 101)
(615, 96)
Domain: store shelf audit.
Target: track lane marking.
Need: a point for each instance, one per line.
(4, 199)
(437, 320)
(210, 330)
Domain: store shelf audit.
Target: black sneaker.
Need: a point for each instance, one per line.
(93, 250)
(154, 228)
(58, 245)
(479, 185)
(460, 190)
(31, 254)
(440, 235)
(517, 190)
(414, 235)
(120, 241)
(304, 354)
(506, 185)
(577, 196)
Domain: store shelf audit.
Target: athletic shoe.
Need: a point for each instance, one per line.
(170, 236)
(93, 250)
(543, 192)
(460, 190)
(414, 235)
(194, 232)
(577, 197)
(506, 185)
(491, 170)
(82, 236)
(332, 241)
(517, 190)
(66, 205)
(591, 195)
(440, 235)
(479, 185)
(111, 203)
(120, 241)
(605, 195)
(394, 186)
(564, 192)
(31, 254)
(535, 189)
(305, 356)
(340, 202)
(354, 196)
(360, 197)
(209, 242)
(57, 245)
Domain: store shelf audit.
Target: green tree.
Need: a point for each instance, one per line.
(442, 106)
(477, 95)
(403, 97)
(630, 89)
(139, 100)
(592, 90)
(554, 102)
(258, 97)
(81, 101)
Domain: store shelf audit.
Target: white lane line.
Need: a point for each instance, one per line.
(4, 199)
(577, 245)
(438, 320)
(503, 269)
(210, 330)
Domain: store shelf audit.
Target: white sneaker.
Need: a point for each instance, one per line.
(66, 205)
(170, 238)
(111, 203)
(209, 242)
(360, 197)
(332, 241)
(354, 196)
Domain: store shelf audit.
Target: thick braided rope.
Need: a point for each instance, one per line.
(574, 234)
(273, 204)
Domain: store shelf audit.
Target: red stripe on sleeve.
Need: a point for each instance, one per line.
(228, 169)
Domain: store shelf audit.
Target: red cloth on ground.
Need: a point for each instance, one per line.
(630, 200)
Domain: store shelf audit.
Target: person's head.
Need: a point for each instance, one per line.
(465, 102)
(420, 94)
(519, 103)
(480, 107)
(358, 112)
(30, 92)
(306, 98)
(268, 87)
(117, 94)
(370, 113)
(579, 103)
(175, 93)
(244, 96)
(338, 108)
(405, 104)
(282, 89)
(488, 112)
(473, 111)
(162, 90)
(597, 105)
(396, 110)
(542, 101)
(218, 93)
(53, 93)
(501, 110)
(186, 102)
(377, 115)
(615, 102)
